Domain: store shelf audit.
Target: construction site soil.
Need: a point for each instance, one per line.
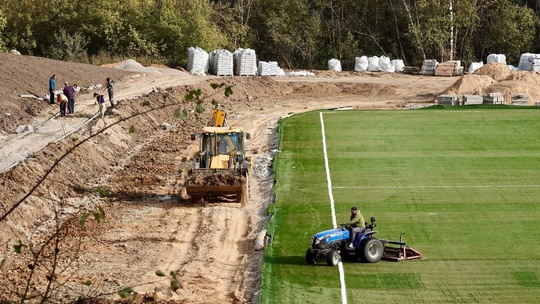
(126, 170)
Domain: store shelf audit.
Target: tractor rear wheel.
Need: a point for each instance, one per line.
(333, 258)
(371, 250)
(311, 257)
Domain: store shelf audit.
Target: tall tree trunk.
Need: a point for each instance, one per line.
(415, 29)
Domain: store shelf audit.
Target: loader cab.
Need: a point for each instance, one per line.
(222, 144)
(221, 147)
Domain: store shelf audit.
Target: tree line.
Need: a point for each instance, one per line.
(295, 33)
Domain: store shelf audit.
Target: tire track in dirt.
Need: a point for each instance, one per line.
(215, 266)
(175, 253)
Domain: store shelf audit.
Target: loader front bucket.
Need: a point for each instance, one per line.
(219, 185)
(198, 192)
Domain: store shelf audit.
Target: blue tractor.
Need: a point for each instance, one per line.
(332, 245)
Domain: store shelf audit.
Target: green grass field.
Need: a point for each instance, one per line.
(463, 183)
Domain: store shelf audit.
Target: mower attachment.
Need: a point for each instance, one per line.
(400, 252)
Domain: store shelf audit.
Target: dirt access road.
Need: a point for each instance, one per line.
(133, 169)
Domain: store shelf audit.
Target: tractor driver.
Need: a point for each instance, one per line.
(357, 224)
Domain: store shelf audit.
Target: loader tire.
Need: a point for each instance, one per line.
(311, 257)
(333, 258)
(371, 250)
(244, 195)
(196, 199)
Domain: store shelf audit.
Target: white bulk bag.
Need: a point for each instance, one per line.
(399, 66)
(197, 61)
(475, 66)
(499, 58)
(361, 64)
(334, 65)
(384, 64)
(373, 64)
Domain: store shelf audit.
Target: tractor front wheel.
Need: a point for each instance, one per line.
(311, 257)
(333, 258)
(371, 250)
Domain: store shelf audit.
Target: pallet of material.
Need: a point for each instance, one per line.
(472, 99)
(428, 67)
(411, 70)
(449, 68)
(494, 98)
(448, 100)
(520, 99)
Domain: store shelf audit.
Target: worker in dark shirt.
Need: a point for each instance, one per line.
(110, 90)
(69, 91)
(52, 88)
(100, 100)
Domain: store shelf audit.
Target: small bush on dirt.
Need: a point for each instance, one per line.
(146, 103)
(132, 129)
(102, 192)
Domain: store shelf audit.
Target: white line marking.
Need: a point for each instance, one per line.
(334, 221)
(454, 186)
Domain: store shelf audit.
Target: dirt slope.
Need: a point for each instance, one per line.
(133, 170)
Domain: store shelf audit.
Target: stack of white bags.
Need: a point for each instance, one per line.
(221, 63)
(245, 62)
(270, 68)
(378, 64)
(527, 62)
(197, 63)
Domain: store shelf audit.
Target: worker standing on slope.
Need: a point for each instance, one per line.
(69, 91)
(62, 101)
(110, 90)
(52, 88)
(100, 100)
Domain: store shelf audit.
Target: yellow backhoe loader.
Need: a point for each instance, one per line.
(221, 171)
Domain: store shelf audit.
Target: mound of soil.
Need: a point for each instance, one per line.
(498, 78)
(511, 88)
(495, 70)
(471, 85)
